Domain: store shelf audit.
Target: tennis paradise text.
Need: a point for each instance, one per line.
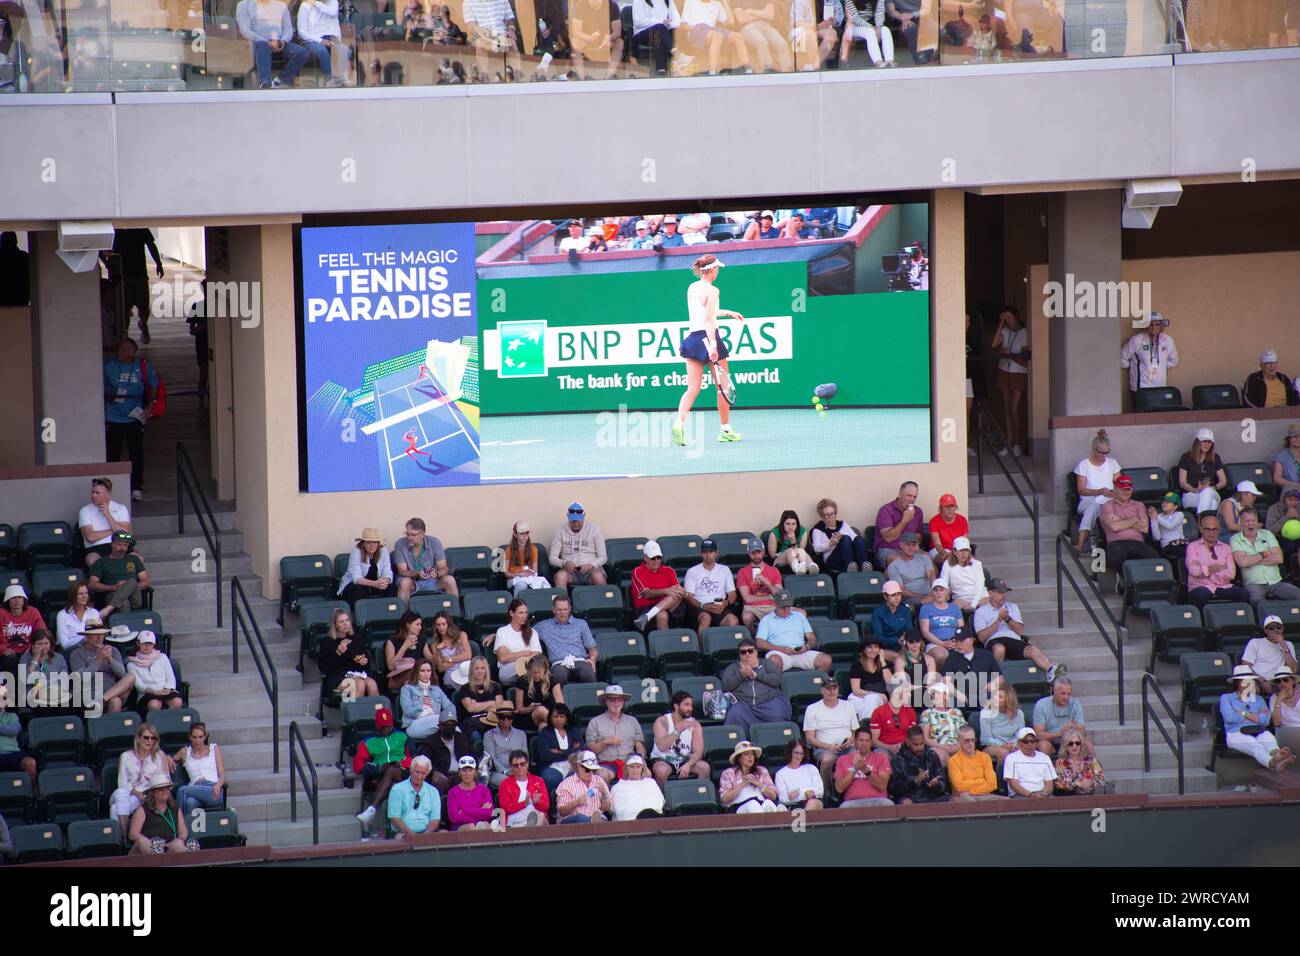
(370, 286)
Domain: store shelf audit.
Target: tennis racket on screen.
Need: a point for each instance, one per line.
(726, 387)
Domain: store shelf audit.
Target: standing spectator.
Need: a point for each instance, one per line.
(941, 722)
(1148, 356)
(656, 593)
(614, 735)
(867, 689)
(1270, 653)
(514, 644)
(945, 528)
(522, 561)
(500, 742)
(916, 773)
(1127, 526)
(18, 621)
(679, 743)
(787, 544)
(756, 686)
(421, 563)
(537, 694)
(711, 590)
(99, 519)
(404, 650)
(1269, 388)
(893, 520)
(756, 19)
(469, 803)
(414, 806)
(1001, 629)
(1201, 475)
(569, 644)
(837, 546)
(370, 572)
(862, 775)
(596, 27)
(478, 699)
(492, 29)
(1259, 557)
(93, 656)
(1011, 343)
(202, 761)
(1284, 510)
(449, 652)
(78, 613)
(1094, 479)
(583, 797)
(963, 576)
(144, 761)
(129, 388)
(343, 661)
(1286, 464)
(654, 22)
(122, 576)
(1028, 771)
(892, 720)
(1078, 772)
(578, 551)
(383, 757)
(746, 786)
(319, 31)
(268, 28)
(1001, 721)
(445, 750)
(197, 321)
(976, 387)
(799, 786)
(891, 620)
(1243, 710)
(12, 755)
(1210, 567)
(828, 726)
(970, 771)
(131, 245)
(938, 621)
(555, 745)
(1057, 715)
(155, 681)
(757, 582)
(786, 637)
(424, 705)
(912, 570)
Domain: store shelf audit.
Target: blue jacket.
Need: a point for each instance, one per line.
(412, 702)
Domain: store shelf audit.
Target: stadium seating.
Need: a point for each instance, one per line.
(8, 545)
(1176, 630)
(719, 646)
(46, 543)
(37, 843)
(839, 639)
(65, 794)
(1149, 483)
(622, 556)
(814, 593)
(376, 618)
(540, 602)
(772, 738)
(50, 588)
(674, 653)
(357, 718)
(174, 726)
(1148, 583)
(1165, 398)
(681, 551)
(471, 567)
(57, 741)
(1260, 472)
(600, 605)
(689, 798)
(304, 576)
(733, 548)
(696, 687)
(429, 606)
(219, 830)
(94, 838)
(17, 798)
(1215, 397)
(1030, 682)
(314, 618)
(649, 701)
(621, 655)
(1204, 678)
(803, 688)
(484, 611)
(585, 701)
(1288, 611)
(146, 620)
(1230, 626)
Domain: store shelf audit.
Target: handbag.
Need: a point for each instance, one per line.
(159, 394)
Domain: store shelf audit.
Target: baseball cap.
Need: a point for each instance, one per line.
(963, 633)
(767, 214)
(1247, 486)
(708, 544)
(892, 587)
(1268, 356)
(642, 224)
(755, 544)
(782, 598)
(961, 544)
(588, 760)
(146, 637)
(632, 759)
(1024, 732)
(668, 219)
(939, 583)
(522, 527)
(1204, 434)
(383, 717)
(467, 761)
(1123, 481)
(1291, 493)
(998, 584)
(652, 550)
(574, 222)
(910, 537)
(1272, 619)
(946, 500)
(576, 510)
(1172, 496)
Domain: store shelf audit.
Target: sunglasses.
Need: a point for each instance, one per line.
(1074, 743)
(147, 737)
(1029, 740)
(748, 650)
(519, 763)
(417, 801)
(1284, 680)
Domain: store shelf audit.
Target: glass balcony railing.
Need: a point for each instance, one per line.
(175, 45)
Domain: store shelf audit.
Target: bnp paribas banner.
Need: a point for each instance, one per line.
(590, 342)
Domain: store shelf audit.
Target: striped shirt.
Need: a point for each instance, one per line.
(593, 794)
(489, 14)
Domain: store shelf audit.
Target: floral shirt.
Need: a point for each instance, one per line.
(943, 724)
(1068, 777)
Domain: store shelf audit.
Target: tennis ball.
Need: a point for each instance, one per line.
(816, 400)
(1291, 529)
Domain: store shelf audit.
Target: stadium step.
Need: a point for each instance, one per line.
(342, 828)
(148, 525)
(259, 756)
(275, 807)
(1196, 779)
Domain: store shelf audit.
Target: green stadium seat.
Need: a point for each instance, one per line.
(674, 652)
(14, 576)
(1288, 611)
(773, 737)
(1215, 397)
(357, 719)
(687, 798)
(485, 611)
(94, 838)
(681, 551)
(600, 605)
(216, 829)
(376, 618)
(719, 742)
(17, 800)
(1260, 472)
(839, 639)
(719, 646)
(146, 620)
(1230, 626)
(623, 555)
(1205, 677)
(65, 794)
(860, 593)
(341, 562)
(815, 593)
(50, 588)
(650, 699)
(429, 606)
(1029, 681)
(111, 735)
(733, 547)
(174, 726)
(45, 543)
(621, 656)
(8, 545)
(1149, 483)
(472, 566)
(305, 576)
(57, 741)
(803, 688)
(1148, 583)
(38, 843)
(1165, 398)
(586, 700)
(540, 602)
(1176, 630)
(696, 687)
(1220, 749)
(314, 617)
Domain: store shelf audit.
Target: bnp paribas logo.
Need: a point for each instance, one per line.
(523, 348)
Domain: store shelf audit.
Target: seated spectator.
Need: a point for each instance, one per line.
(515, 643)
(913, 570)
(1127, 525)
(577, 551)
(13, 757)
(907, 15)
(756, 686)
(963, 576)
(523, 795)
(945, 528)
(637, 796)
(799, 785)
(912, 661)
(18, 621)
(477, 701)
(99, 519)
(42, 666)
(614, 736)
(761, 227)
(122, 575)
(968, 669)
(862, 775)
(1269, 388)
(894, 519)
(1245, 721)
(916, 773)
(1286, 463)
(421, 563)
(891, 721)
(1259, 557)
(1286, 509)
(1284, 708)
(417, 21)
(500, 742)
(424, 705)
(469, 803)
(157, 825)
(492, 30)
(1210, 567)
(654, 22)
(94, 656)
(136, 767)
(787, 545)
(891, 620)
(828, 726)
(383, 758)
(1270, 653)
(939, 620)
(267, 26)
(404, 650)
(813, 31)
(1094, 479)
(569, 644)
(78, 613)
(370, 573)
(656, 593)
(202, 761)
(711, 590)
(343, 660)
(642, 238)
(678, 749)
(669, 238)
(576, 241)
(155, 681)
(746, 786)
(1001, 629)
(941, 722)
(583, 797)
(522, 561)
(757, 582)
(694, 227)
(1057, 715)
(837, 546)
(1167, 527)
(445, 749)
(1200, 474)
(1001, 721)
(556, 744)
(756, 19)
(449, 652)
(414, 805)
(537, 694)
(319, 31)
(1078, 771)
(970, 771)
(786, 637)
(596, 31)
(1230, 511)
(1027, 770)
(867, 689)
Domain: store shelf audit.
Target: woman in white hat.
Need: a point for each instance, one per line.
(1284, 708)
(1201, 477)
(963, 576)
(522, 560)
(636, 796)
(469, 803)
(370, 571)
(157, 825)
(18, 621)
(746, 786)
(1230, 511)
(1246, 719)
(155, 681)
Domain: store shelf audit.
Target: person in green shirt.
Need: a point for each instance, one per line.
(122, 575)
(1259, 556)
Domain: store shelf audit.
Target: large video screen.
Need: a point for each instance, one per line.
(448, 354)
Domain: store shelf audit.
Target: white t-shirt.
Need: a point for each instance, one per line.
(511, 640)
(804, 777)
(698, 11)
(965, 582)
(986, 614)
(833, 725)
(580, 243)
(99, 526)
(1013, 342)
(1290, 715)
(630, 797)
(709, 586)
(1264, 657)
(1098, 476)
(1033, 772)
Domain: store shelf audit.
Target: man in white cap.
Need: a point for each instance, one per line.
(1259, 557)
(657, 596)
(583, 796)
(1149, 355)
(1269, 388)
(1027, 770)
(643, 238)
(1270, 653)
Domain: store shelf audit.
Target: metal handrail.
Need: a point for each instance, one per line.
(241, 618)
(188, 485)
(296, 765)
(1063, 547)
(1149, 681)
(983, 437)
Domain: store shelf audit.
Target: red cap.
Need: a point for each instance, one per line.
(383, 717)
(1123, 481)
(947, 500)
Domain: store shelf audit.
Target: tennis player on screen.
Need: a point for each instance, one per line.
(703, 346)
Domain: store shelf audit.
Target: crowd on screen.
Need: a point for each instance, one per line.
(659, 231)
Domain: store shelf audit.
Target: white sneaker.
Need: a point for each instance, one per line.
(137, 495)
(640, 622)
(275, 83)
(366, 815)
(1018, 452)
(1004, 452)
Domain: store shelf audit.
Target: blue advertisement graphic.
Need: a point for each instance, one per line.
(391, 347)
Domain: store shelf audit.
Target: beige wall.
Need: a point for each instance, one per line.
(18, 441)
(277, 519)
(1224, 311)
